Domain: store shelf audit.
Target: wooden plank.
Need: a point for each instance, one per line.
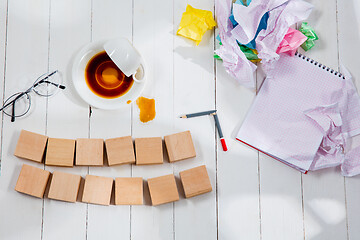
(111, 19)
(280, 200)
(323, 191)
(280, 192)
(20, 73)
(3, 39)
(348, 34)
(68, 117)
(194, 91)
(238, 182)
(153, 37)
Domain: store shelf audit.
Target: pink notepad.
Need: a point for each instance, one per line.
(276, 123)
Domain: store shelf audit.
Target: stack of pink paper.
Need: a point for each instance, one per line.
(303, 116)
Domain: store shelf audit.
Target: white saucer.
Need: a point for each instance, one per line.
(78, 77)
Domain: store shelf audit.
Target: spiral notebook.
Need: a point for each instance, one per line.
(276, 123)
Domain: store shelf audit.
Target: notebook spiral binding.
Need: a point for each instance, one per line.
(336, 73)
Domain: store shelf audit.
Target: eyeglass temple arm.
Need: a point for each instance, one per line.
(15, 99)
(55, 84)
(13, 111)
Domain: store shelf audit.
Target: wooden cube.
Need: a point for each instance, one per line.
(179, 146)
(31, 146)
(129, 191)
(163, 189)
(149, 151)
(32, 181)
(120, 150)
(89, 152)
(60, 152)
(64, 186)
(195, 181)
(97, 190)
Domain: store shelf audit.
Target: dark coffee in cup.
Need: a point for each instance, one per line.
(105, 79)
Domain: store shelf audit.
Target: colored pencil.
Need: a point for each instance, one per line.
(221, 136)
(191, 115)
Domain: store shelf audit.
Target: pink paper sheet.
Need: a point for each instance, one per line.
(291, 42)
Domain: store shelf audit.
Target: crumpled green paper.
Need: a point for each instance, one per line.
(194, 23)
(309, 32)
(250, 54)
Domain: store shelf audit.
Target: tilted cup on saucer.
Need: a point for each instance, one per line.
(109, 74)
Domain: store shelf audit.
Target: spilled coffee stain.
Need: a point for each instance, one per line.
(147, 109)
(128, 102)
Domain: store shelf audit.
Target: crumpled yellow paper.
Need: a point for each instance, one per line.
(194, 23)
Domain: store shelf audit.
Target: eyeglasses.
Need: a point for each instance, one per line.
(18, 104)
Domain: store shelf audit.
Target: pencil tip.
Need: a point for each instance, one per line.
(183, 116)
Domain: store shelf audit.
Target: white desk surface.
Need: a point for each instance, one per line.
(253, 197)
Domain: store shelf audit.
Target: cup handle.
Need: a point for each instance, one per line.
(139, 76)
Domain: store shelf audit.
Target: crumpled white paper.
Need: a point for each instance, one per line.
(234, 60)
(338, 122)
(282, 14)
(280, 19)
(248, 18)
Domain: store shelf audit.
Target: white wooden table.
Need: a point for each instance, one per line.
(253, 197)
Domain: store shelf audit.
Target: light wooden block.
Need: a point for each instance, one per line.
(97, 190)
(163, 189)
(89, 152)
(31, 146)
(149, 151)
(180, 146)
(60, 152)
(195, 181)
(64, 186)
(120, 150)
(32, 181)
(129, 191)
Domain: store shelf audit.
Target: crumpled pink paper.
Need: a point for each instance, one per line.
(291, 42)
(280, 19)
(234, 60)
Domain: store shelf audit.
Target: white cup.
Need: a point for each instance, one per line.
(126, 57)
